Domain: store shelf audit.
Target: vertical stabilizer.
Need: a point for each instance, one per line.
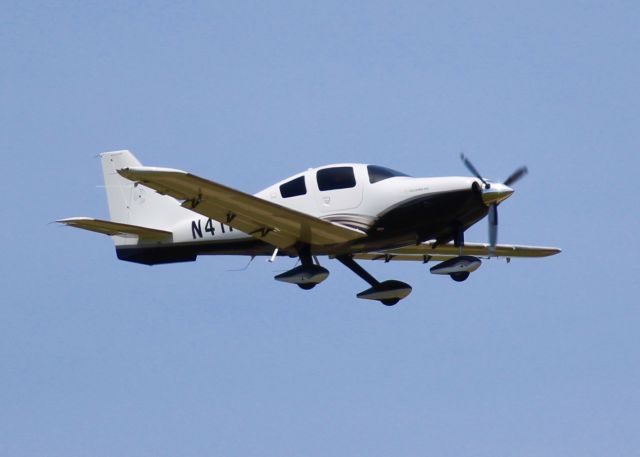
(136, 204)
(119, 190)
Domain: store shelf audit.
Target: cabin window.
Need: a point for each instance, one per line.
(293, 188)
(378, 173)
(336, 178)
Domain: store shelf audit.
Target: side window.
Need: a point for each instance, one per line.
(293, 188)
(377, 173)
(336, 178)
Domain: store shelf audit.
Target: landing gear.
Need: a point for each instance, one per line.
(458, 239)
(306, 276)
(310, 274)
(458, 268)
(387, 292)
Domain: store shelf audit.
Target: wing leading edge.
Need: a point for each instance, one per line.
(426, 251)
(275, 224)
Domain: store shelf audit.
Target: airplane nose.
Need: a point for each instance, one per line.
(496, 193)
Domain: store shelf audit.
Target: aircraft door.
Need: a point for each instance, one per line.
(337, 188)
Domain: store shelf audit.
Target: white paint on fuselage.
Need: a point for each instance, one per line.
(365, 201)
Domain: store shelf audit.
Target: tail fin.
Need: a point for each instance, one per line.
(133, 204)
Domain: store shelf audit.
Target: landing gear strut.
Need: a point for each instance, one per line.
(307, 261)
(387, 292)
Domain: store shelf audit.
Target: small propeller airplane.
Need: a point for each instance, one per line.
(347, 212)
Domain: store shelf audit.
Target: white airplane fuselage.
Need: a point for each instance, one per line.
(394, 211)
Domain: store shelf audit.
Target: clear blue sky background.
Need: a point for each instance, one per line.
(100, 358)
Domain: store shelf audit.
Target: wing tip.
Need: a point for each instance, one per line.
(70, 220)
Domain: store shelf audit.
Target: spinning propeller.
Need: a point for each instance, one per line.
(492, 195)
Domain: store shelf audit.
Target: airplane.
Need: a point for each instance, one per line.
(345, 211)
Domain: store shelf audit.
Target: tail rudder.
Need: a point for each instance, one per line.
(134, 204)
(119, 190)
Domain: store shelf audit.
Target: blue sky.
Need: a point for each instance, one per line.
(540, 357)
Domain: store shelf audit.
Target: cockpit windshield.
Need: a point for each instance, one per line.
(378, 173)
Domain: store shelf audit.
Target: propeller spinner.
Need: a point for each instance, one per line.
(492, 195)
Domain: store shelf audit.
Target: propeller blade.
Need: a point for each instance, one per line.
(493, 228)
(515, 176)
(473, 170)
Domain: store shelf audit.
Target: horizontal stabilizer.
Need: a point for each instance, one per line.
(114, 228)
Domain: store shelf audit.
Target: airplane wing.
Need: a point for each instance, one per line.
(425, 252)
(275, 224)
(114, 228)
